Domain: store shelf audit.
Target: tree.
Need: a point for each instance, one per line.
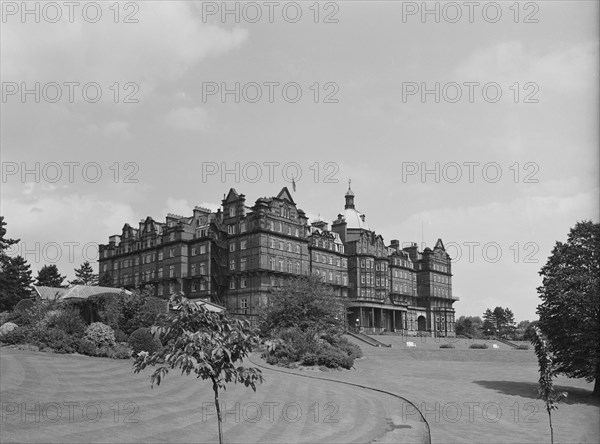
(547, 372)
(570, 309)
(469, 326)
(205, 343)
(489, 323)
(49, 276)
(15, 279)
(15, 273)
(85, 275)
(509, 326)
(520, 330)
(306, 303)
(105, 280)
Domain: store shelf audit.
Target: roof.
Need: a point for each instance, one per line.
(355, 219)
(74, 292)
(210, 306)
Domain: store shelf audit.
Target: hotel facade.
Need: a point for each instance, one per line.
(236, 256)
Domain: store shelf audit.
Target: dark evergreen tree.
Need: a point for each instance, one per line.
(49, 276)
(85, 275)
(15, 273)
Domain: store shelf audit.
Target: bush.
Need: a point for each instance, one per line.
(310, 359)
(523, 347)
(69, 321)
(120, 336)
(334, 358)
(20, 335)
(118, 351)
(100, 334)
(351, 349)
(143, 340)
(447, 346)
(478, 346)
(24, 305)
(8, 327)
(86, 347)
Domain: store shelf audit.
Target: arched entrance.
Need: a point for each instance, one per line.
(421, 323)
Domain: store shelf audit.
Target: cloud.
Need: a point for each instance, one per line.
(564, 69)
(168, 39)
(192, 119)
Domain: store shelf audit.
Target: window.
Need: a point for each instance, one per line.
(160, 290)
(232, 264)
(280, 264)
(172, 271)
(230, 229)
(289, 247)
(202, 268)
(243, 227)
(194, 251)
(243, 263)
(232, 247)
(296, 232)
(378, 282)
(297, 267)
(105, 267)
(193, 269)
(289, 266)
(244, 305)
(171, 236)
(377, 267)
(281, 246)
(297, 248)
(160, 273)
(194, 286)
(330, 260)
(202, 249)
(273, 243)
(362, 279)
(362, 263)
(202, 285)
(330, 276)
(232, 284)
(171, 253)
(243, 282)
(160, 255)
(232, 212)
(171, 288)
(271, 225)
(243, 245)
(272, 263)
(344, 280)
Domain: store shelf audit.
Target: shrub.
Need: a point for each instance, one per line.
(86, 347)
(143, 340)
(334, 358)
(118, 351)
(120, 336)
(310, 359)
(8, 327)
(447, 346)
(523, 347)
(351, 349)
(69, 321)
(20, 335)
(58, 340)
(24, 305)
(100, 334)
(478, 346)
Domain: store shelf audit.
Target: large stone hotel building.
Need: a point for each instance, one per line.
(234, 257)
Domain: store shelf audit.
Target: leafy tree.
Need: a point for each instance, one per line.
(306, 303)
(547, 373)
(469, 326)
(85, 275)
(521, 328)
(105, 280)
(15, 273)
(528, 335)
(205, 343)
(49, 276)
(570, 308)
(509, 326)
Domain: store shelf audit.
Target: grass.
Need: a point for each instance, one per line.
(467, 396)
(112, 404)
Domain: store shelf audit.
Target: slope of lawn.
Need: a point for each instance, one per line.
(67, 398)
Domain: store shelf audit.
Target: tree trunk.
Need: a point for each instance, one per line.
(216, 390)
(551, 429)
(596, 391)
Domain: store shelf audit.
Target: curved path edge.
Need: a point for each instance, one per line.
(366, 387)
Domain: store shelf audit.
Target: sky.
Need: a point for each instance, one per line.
(474, 124)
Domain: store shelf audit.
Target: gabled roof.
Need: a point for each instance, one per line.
(232, 195)
(439, 245)
(284, 194)
(74, 292)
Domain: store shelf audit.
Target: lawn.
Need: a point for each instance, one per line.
(65, 398)
(467, 396)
